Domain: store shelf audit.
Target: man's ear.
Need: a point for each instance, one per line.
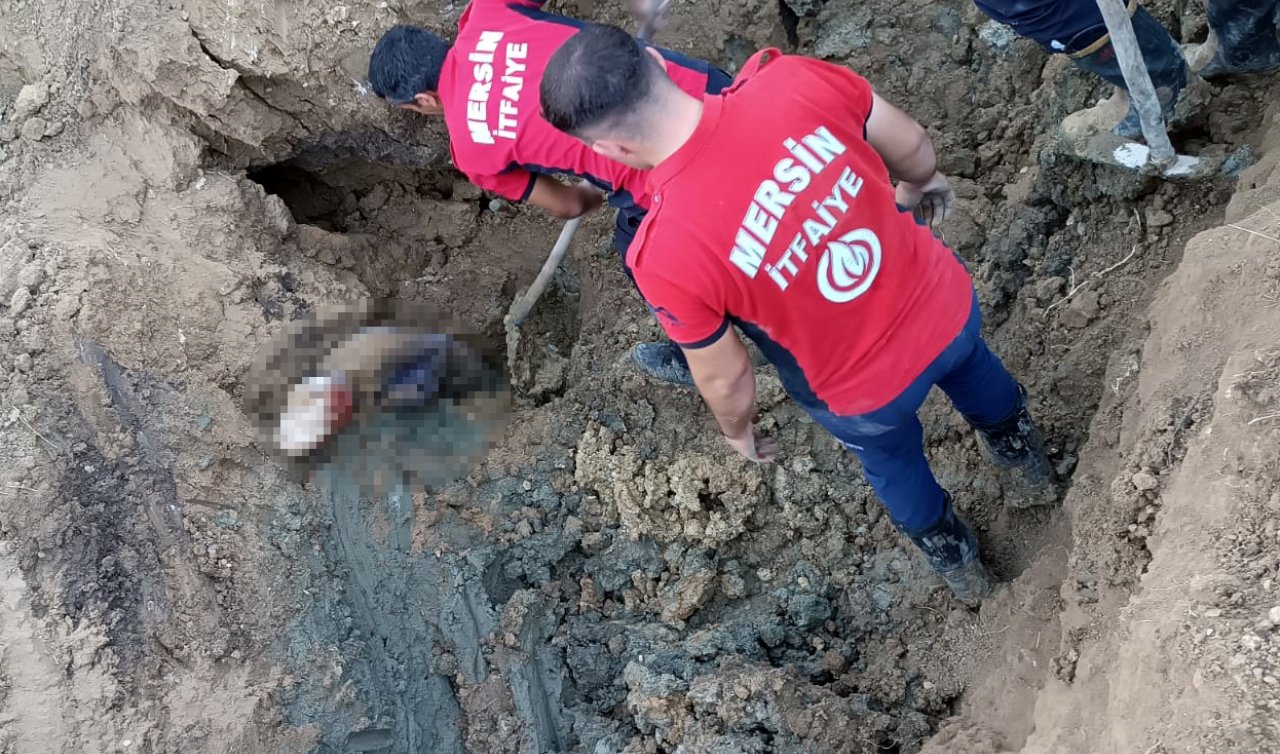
(653, 53)
(615, 151)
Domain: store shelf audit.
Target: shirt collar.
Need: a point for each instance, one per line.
(712, 107)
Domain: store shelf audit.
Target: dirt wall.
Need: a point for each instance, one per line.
(181, 180)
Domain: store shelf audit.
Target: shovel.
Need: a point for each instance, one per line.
(524, 303)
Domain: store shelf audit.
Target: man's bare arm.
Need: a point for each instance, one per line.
(725, 378)
(903, 143)
(561, 200)
(908, 153)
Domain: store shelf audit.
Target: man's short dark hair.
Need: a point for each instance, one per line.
(596, 79)
(405, 63)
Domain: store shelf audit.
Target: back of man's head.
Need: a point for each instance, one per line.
(405, 63)
(598, 82)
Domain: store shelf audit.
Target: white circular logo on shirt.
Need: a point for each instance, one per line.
(849, 266)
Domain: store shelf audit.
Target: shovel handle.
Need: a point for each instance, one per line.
(540, 283)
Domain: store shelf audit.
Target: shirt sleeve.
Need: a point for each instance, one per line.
(853, 91)
(850, 93)
(515, 184)
(689, 316)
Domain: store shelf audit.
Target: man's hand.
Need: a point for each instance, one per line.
(931, 201)
(650, 14)
(590, 197)
(754, 446)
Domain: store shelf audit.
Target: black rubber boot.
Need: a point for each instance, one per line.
(952, 550)
(1164, 61)
(1016, 445)
(663, 361)
(1246, 32)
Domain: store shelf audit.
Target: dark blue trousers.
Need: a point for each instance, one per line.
(890, 441)
(1245, 28)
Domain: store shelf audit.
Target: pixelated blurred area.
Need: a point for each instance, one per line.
(391, 392)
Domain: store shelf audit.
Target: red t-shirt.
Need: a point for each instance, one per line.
(489, 89)
(779, 217)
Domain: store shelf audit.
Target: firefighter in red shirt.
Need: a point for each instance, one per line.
(773, 211)
(485, 85)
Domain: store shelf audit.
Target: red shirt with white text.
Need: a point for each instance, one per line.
(489, 90)
(777, 216)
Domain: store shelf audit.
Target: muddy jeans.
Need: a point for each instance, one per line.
(1245, 28)
(1160, 52)
(890, 441)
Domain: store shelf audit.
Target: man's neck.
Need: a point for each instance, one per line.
(679, 120)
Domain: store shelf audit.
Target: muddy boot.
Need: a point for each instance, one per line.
(1164, 62)
(952, 550)
(1243, 37)
(1016, 445)
(663, 361)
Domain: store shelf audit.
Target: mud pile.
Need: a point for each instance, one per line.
(179, 181)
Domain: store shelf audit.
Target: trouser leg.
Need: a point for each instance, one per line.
(664, 360)
(1246, 32)
(994, 404)
(1164, 61)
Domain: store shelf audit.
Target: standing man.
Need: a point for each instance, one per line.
(773, 211)
(486, 87)
(1242, 40)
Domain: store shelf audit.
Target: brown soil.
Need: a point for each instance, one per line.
(179, 180)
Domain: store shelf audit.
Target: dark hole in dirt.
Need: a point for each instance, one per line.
(373, 739)
(790, 22)
(346, 196)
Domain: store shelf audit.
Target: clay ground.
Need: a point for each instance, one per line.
(179, 179)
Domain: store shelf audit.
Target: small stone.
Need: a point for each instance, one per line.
(834, 662)
(34, 129)
(997, 36)
(1158, 218)
(1144, 481)
(590, 594)
(594, 542)
(1213, 612)
(524, 529)
(1087, 303)
(1274, 615)
(732, 586)
(19, 302)
(682, 599)
(742, 692)
(1048, 289)
(54, 128)
(30, 99)
(22, 362)
(31, 276)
